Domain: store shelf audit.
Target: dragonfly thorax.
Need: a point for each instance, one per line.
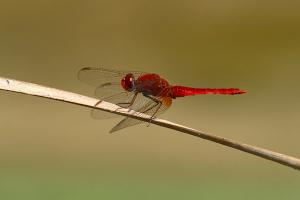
(128, 82)
(152, 85)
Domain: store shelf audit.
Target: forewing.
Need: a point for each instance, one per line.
(99, 76)
(109, 89)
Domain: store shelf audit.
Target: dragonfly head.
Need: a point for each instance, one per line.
(128, 82)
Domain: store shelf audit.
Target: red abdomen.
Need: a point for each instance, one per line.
(181, 91)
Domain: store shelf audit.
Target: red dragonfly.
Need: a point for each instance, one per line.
(146, 93)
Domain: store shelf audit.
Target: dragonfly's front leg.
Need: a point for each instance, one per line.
(158, 105)
(128, 104)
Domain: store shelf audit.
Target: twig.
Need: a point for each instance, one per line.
(69, 97)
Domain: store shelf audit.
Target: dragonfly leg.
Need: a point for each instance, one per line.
(152, 117)
(153, 99)
(128, 104)
(158, 102)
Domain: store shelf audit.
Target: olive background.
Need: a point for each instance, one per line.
(54, 150)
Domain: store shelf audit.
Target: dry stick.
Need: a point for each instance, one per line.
(60, 95)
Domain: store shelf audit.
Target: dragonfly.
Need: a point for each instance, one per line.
(146, 93)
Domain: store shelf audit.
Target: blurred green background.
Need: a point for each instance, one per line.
(53, 150)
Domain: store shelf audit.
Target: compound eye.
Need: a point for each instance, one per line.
(128, 82)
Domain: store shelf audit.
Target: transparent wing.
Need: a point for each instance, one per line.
(150, 108)
(100, 76)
